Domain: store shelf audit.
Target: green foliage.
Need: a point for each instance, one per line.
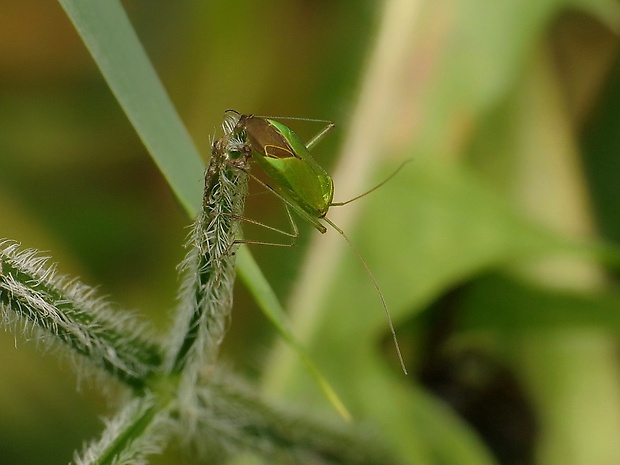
(486, 246)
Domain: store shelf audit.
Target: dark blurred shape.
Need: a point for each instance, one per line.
(482, 391)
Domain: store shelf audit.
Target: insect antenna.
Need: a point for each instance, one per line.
(376, 286)
(340, 204)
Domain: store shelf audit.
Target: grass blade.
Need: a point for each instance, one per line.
(113, 44)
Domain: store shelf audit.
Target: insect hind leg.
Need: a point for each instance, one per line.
(294, 234)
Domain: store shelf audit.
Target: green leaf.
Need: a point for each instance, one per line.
(501, 303)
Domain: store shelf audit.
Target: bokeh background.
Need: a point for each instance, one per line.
(493, 247)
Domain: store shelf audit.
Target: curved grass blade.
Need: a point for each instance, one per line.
(113, 44)
(268, 302)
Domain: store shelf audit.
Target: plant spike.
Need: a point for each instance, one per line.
(209, 268)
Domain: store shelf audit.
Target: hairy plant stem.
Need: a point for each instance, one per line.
(240, 419)
(56, 308)
(209, 268)
(138, 430)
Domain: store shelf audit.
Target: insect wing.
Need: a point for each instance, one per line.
(285, 159)
(264, 140)
(305, 174)
(297, 183)
(291, 140)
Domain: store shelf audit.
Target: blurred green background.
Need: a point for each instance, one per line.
(488, 246)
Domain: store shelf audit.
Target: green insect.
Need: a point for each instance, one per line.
(303, 185)
(298, 179)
